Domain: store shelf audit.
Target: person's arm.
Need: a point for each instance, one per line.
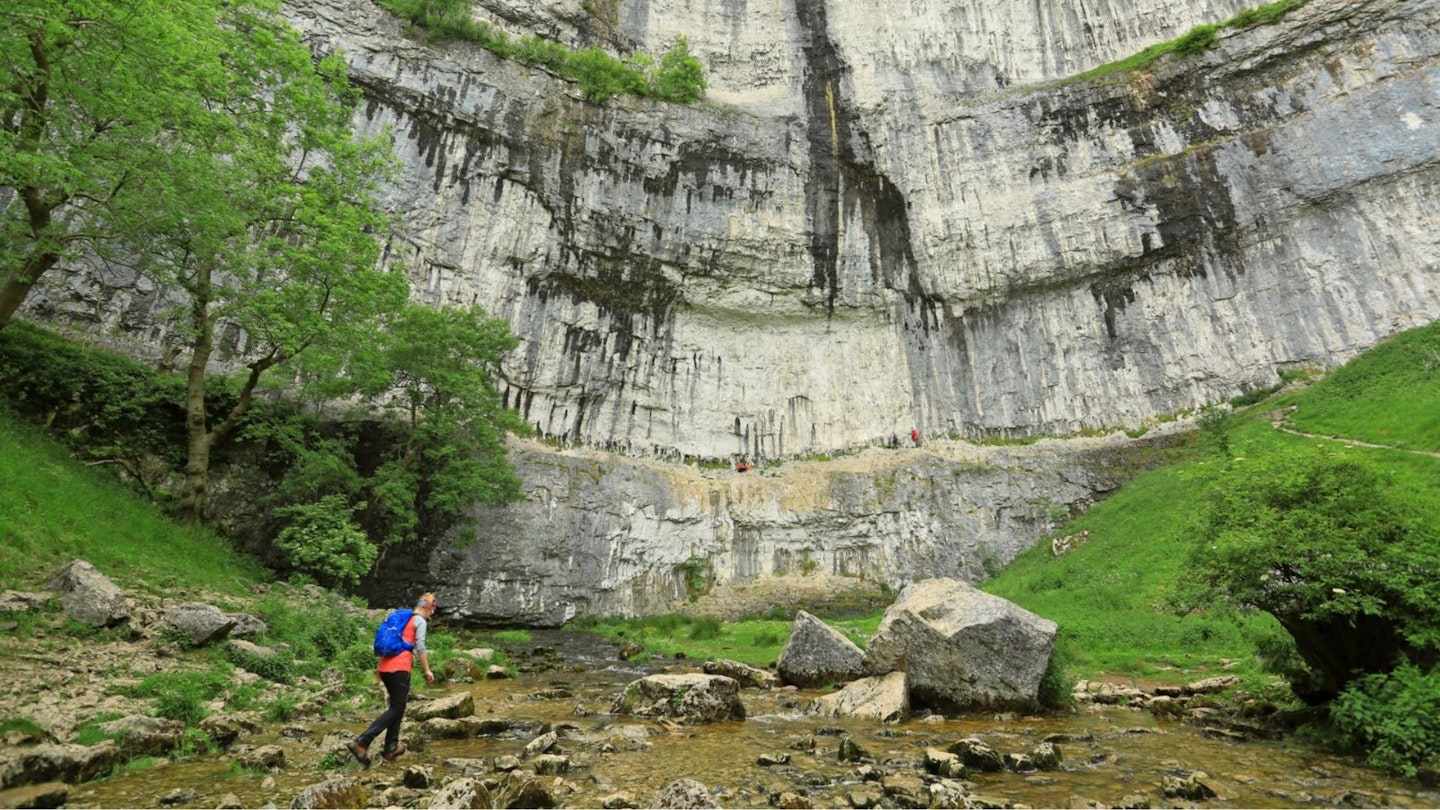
(420, 650)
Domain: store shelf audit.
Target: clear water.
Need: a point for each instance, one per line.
(1113, 752)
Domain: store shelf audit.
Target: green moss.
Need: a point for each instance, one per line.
(1193, 42)
(676, 76)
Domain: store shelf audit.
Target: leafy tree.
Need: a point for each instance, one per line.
(1318, 540)
(438, 448)
(197, 141)
(89, 92)
(435, 372)
(263, 225)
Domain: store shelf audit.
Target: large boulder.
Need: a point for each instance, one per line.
(201, 623)
(150, 736)
(884, 698)
(57, 763)
(693, 698)
(962, 648)
(817, 654)
(88, 596)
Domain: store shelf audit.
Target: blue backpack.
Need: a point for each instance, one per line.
(389, 639)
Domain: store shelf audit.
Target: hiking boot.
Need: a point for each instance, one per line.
(358, 751)
(394, 753)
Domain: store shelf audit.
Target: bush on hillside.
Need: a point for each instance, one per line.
(1317, 539)
(323, 541)
(679, 78)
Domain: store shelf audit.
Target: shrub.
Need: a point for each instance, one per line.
(194, 742)
(1196, 40)
(104, 406)
(1395, 716)
(1057, 687)
(704, 629)
(323, 541)
(679, 78)
(281, 709)
(1265, 14)
(23, 725)
(275, 665)
(1318, 540)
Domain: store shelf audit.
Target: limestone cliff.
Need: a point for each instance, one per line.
(884, 216)
(862, 231)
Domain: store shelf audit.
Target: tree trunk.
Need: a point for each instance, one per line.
(43, 255)
(197, 435)
(39, 209)
(12, 295)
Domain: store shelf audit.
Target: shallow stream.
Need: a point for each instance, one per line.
(1109, 753)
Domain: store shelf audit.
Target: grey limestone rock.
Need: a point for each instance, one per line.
(962, 648)
(885, 699)
(684, 793)
(57, 763)
(691, 698)
(817, 654)
(201, 623)
(337, 792)
(88, 596)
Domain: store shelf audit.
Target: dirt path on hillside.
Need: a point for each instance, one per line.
(1279, 424)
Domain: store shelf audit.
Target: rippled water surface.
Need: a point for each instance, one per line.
(1108, 753)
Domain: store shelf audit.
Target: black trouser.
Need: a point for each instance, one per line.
(397, 687)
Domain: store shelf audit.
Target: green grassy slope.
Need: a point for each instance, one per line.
(1109, 595)
(54, 509)
(1389, 396)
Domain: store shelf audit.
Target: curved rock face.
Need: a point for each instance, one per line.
(867, 231)
(887, 218)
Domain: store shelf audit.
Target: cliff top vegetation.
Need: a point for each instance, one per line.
(677, 76)
(1192, 42)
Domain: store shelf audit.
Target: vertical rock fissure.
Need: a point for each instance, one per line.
(823, 129)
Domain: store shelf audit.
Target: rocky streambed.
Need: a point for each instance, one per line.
(547, 738)
(568, 727)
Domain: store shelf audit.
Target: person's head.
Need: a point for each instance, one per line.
(426, 604)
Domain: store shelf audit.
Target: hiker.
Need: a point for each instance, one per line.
(743, 465)
(915, 436)
(394, 672)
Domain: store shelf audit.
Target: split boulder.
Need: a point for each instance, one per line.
(884, 698)
(963, 649)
